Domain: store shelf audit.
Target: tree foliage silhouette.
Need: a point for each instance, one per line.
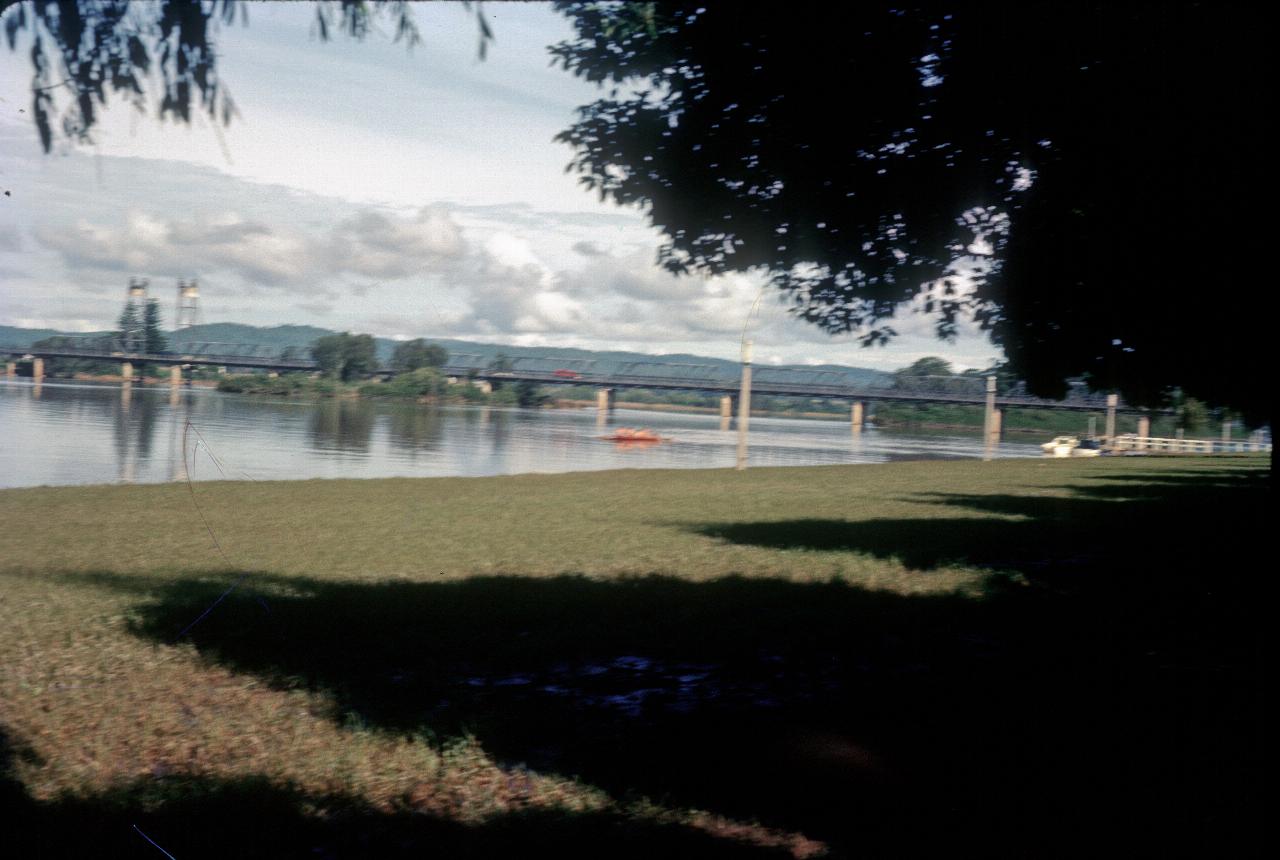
(93, 48)
(1086, 166)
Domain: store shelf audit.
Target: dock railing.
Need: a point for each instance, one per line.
(1129, 442)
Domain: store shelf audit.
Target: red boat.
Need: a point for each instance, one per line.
(629, 434)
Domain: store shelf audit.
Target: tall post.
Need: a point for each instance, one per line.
(1112, 401)
(744, 405)
(1093, 426)
(855, 416)
(604, 403)
(989, 419)
(1226, 432)
(1144, 431)
(997, 415)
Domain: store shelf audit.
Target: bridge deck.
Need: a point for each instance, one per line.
(832, 391)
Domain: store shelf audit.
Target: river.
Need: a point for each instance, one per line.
(66, 433)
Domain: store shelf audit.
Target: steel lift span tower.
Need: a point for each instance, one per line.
(188, 313)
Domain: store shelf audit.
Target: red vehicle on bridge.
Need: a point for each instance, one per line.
(565, 373)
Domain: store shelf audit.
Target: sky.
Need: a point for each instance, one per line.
(371, 188)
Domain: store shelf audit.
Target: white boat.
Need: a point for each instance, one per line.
(1072, 446)
(1060, 446)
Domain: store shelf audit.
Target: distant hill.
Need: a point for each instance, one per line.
(13, 336)
(282, 337)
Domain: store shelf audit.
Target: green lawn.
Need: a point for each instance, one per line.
(877, 659)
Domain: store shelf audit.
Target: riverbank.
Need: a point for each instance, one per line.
(773, 662)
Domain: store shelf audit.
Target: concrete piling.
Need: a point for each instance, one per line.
(989, 420)
(604, 405)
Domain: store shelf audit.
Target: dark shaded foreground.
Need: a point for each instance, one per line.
(1104, 697)
(197, 818)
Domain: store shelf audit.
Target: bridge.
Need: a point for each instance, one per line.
(607, 378)
(207, 353)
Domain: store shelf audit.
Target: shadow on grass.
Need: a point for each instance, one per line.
(191, 817)
(1137, 520)
(1120, 700)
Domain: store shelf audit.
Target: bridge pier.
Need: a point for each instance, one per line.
(175, 375)
(11, 368)
(726, 411)
(126, 371)
(604, 405)
(855, 416)
(1226, 431)
(37, 368)
(1144, 432)
(989, 419)
(1112, 401)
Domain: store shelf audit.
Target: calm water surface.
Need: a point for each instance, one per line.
(86, 433)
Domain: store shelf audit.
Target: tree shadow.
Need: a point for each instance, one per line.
(199, 817)
(732, 696)
(1086, 530)
(846, 715)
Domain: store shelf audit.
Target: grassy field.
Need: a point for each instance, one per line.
(1017, 658)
